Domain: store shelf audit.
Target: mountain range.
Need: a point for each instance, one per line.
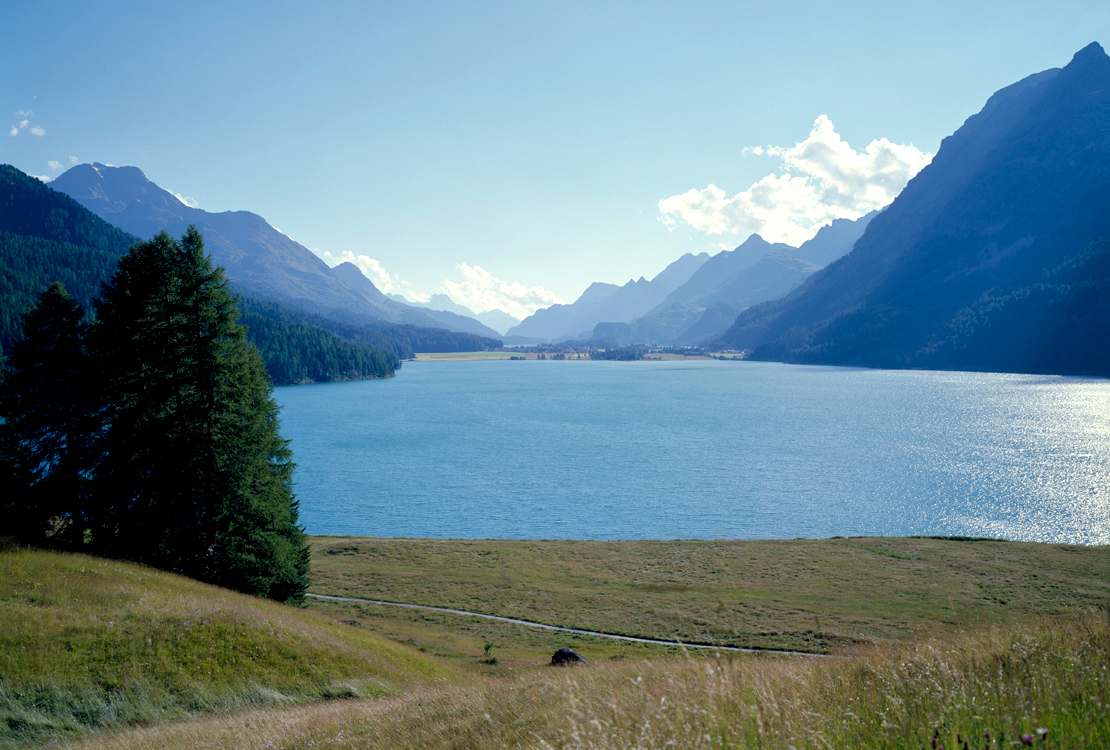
(696, 298)
(996, 256)
(258, 259)
(603, 301)
(497, 319)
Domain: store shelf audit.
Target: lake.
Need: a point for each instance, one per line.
(700, 449)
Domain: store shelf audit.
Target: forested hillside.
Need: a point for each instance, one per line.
(298, 353)
(403, 340)
(46, 236)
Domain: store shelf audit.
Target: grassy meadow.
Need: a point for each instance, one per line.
(90, 643)
(934, 638)
(824, 596)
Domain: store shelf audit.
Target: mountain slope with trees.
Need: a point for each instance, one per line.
(46, 236)
(992, 258)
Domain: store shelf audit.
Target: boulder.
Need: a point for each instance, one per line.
(565, 656)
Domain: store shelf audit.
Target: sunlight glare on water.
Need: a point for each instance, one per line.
(701, 449)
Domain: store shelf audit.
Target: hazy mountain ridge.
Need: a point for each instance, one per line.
(730, 282)
(258, 258)
(1012, 201)
(497, 319)
(603, 301)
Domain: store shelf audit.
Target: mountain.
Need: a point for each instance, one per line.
(720, 267)
(834, 240)
(730, 282)
(994, 257)
(46, 236)
(498, 320)
(603, 301)
(259, 259)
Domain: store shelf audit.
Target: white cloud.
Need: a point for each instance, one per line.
(412, 296)
(43, 177)
(371, 268)
(825, 179)
(481, 291)
(74, 160)
(190, 202)
(25, 124)
(55, 165)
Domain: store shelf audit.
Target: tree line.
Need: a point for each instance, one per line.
(151, 433)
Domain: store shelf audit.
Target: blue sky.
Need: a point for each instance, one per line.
(513, 153)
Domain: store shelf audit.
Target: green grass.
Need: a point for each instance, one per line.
(91, 643)
(824, 595)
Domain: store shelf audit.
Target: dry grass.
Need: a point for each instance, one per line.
(988, 687)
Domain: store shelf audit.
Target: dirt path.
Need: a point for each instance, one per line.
(577, 631)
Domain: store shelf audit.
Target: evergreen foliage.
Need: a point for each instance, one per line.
(433, 339)
(50, 422)
(297, 353)
(619, 353)
(257, 308)
(179, 463)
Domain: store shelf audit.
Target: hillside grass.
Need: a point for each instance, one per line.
(88, 643)
(812, 595)
(1042, 682)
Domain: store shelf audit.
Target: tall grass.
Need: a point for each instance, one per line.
(1044, 683)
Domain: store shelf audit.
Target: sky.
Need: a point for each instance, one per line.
(510, 154)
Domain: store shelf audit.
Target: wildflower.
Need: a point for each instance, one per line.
(1027, 739)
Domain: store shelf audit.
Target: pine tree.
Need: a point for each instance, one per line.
(50, 424)
(195, 476)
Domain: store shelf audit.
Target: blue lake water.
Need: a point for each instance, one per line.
(701, 450)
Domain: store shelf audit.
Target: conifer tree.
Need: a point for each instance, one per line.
(195, 476)
(50, 424)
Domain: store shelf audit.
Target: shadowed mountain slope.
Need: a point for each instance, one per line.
(992, 258)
